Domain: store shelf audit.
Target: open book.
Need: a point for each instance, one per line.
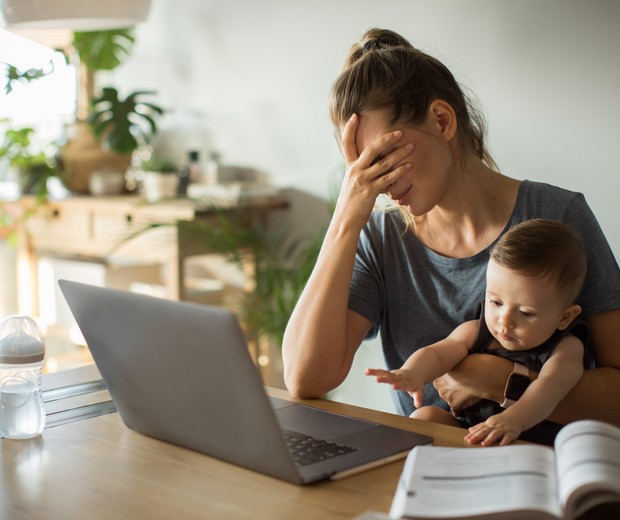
(579, 480)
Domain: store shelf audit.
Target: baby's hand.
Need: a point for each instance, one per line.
(396, 378)
(400, 381)
(497, 428)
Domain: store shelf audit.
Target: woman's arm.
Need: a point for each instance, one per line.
(323, 335)
(559, 374)
(596, 394)
(483, 376)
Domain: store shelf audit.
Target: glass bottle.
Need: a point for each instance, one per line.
(193, 166)
(212, 169)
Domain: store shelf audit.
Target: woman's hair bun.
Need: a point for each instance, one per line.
(376, 38)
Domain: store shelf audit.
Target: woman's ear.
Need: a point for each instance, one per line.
(443, 118)
(569, 314)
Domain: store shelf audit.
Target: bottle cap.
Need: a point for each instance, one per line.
(21, 341)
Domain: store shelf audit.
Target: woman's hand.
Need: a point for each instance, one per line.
(477, 377)
(370, 172)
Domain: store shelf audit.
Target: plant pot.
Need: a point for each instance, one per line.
(159, 185)
(106, 182)
(82, 155)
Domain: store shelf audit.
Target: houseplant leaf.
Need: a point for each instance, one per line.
(33, 165)
(14, 75)
(103, 50)
(121, 123)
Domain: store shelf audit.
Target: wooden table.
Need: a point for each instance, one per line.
(98, 469)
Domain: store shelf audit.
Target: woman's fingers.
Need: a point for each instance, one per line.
(374, 152)
(383, 152)
(349, 148)
(385, 170)
(372, 170)
(385, 180)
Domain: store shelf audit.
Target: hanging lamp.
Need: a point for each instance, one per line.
(77, 15)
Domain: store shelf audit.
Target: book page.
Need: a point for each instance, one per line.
(442, 482)
(588, 461)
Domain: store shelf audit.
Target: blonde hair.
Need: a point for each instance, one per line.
(384, 71)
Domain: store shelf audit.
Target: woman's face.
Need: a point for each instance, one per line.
(423, 187)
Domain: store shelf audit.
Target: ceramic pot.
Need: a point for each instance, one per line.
(82, 155)
(159, 185)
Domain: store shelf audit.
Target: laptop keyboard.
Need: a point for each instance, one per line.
(308, 450)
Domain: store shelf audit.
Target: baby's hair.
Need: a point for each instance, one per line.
(541, 248)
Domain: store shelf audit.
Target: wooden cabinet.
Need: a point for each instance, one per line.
(102, 228)
(115, 231)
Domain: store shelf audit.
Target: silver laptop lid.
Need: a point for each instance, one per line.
(181, 372)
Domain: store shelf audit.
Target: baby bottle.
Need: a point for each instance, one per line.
(22, 413)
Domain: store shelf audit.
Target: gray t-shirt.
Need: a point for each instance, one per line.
(416, 297)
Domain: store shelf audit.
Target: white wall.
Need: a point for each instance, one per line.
(251, 79)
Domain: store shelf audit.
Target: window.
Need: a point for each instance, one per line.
(46, 104)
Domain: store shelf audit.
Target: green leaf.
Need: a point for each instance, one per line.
(13, 75)
(121, 124)
(103, 50)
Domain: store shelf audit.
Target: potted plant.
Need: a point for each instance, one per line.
(32, 166)
(105, 141)
(159, 178)
(108, 127)
(278, 268)
(121, 125)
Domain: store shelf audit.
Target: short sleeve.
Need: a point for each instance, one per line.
(601, 291)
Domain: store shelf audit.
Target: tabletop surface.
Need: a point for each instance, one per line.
(97, 468)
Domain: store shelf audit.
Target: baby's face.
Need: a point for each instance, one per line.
(521, 312)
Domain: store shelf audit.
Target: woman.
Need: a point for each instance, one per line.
(406, 130)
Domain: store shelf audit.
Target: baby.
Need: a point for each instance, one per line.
(534, 276)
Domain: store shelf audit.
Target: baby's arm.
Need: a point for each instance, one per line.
(430, 362)
(558, 375)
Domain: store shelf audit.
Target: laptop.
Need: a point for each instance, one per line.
(182, 373)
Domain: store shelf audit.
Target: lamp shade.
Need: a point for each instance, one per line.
(78, 15)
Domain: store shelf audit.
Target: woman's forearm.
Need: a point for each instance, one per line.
(594, 397)
(317, 350)
(323, 335)
(478, 376)
(596, 394)
(483, 376)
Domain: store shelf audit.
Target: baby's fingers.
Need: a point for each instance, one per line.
(381, 376)
(473, 436)
(376, 372)
(418, 397)
(477, 433)
(487, 435)
(385, 376)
